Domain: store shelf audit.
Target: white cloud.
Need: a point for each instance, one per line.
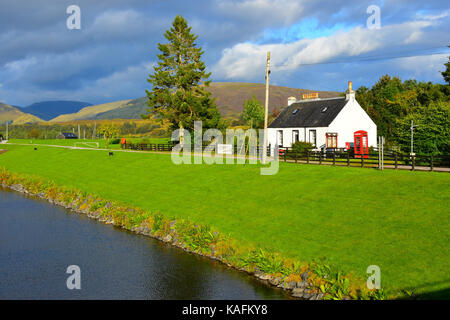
(424, 66)
(247, 60)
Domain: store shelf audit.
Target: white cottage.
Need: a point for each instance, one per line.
(326, 123)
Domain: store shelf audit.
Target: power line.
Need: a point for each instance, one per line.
(369, 58)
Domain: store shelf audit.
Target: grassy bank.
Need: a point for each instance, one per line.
(353, 217)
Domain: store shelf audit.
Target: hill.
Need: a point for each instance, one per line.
(47, 110)
(90, 112)
(131, 110)
(229, 96)
(10, 113)
(26, 118)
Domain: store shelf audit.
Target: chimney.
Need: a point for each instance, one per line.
(350, 94)
(291, 100)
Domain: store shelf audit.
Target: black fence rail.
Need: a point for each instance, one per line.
(338, 157)
(169, 146)
(148, 146)
(391, 159)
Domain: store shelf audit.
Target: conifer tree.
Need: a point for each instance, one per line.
(446, 73)
(179, 82)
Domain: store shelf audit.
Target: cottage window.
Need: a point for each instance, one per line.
(331, 140)
(312, 137)
(295, 136)
(280, 138)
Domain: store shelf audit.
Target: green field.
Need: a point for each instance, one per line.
(353, 217)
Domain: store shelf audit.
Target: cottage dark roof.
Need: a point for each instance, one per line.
(310, 113)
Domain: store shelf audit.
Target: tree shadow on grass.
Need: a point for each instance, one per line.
(426, 293)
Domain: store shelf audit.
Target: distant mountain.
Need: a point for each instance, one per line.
(50, 109)
(229, 97)
(90, 112)
(131, 110)
(14, 114)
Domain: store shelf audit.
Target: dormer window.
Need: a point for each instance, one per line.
(324, 109)
(295, 111)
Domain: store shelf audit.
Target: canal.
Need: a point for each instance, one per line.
(38, 241)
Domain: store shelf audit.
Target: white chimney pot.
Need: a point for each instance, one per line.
(291, 100)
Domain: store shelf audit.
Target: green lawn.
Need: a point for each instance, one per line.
(398, 220)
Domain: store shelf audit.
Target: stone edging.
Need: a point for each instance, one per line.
(298, 289)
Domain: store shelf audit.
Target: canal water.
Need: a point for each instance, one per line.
(38, 241)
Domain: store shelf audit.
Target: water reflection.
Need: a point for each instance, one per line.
(39, 240)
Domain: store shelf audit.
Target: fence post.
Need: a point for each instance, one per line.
(412, 162)
(334, 157)
(295, 157)
(362, 160)
(348, 159)
(320, 157)
(307, 156)
(285, 151)
(431, 163)
(396, 159)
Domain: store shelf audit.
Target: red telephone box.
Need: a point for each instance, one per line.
(361, 144)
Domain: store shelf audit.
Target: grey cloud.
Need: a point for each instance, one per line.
(40, 58)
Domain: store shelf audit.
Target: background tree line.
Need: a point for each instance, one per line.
(50, 131)
(392, 104)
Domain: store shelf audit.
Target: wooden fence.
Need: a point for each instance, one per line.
(392, 159)
(169, 146)
(148, 146)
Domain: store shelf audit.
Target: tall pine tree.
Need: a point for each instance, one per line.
(446, 73)
(179, 82)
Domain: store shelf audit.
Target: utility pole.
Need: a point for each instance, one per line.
(266, 109)
(412, 137)
(6, 130)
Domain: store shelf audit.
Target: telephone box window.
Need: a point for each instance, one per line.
(361, 144)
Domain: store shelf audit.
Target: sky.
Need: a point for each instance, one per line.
(314, 44)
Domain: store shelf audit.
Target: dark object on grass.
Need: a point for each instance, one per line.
(35, 148)
(111, 153)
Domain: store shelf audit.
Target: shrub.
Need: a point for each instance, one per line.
(301, 147)
(34, 133)
(114, 141)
